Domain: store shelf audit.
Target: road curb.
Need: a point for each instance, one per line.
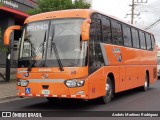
(9, 97)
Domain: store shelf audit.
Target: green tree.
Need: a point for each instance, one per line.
(1, 4)
(53, 5)
(81, 4)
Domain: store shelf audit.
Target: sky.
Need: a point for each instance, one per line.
(149, 13)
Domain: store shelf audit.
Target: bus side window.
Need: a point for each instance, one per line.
(92, 43)
(148, 41)
(116, 33)
(142, 40)
(106, 26)
(153, 42)
(98, 30)
(96, 58)
(135, 38)
(127, 36)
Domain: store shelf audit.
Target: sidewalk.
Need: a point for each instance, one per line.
(8, 89)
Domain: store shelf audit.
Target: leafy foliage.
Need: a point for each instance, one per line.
(53, 5)
(1, 4)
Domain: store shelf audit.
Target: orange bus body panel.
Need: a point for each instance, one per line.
(132, 68)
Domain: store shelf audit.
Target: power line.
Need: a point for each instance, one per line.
(152, 25)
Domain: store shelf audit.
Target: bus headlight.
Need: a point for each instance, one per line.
(22, 83)
(74, 83)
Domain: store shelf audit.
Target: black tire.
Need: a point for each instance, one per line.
(109, 92)
(146, 83)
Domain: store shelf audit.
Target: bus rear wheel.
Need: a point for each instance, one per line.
(146, 83)
(109, 92)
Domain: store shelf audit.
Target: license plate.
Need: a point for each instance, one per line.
(45, 92)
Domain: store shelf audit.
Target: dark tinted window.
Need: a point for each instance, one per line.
(153, 42)
(106, 30)
(116, 33)
(142, 40)
(98, 29)
(95, 54)
(135, 38)
(92, 31)
(148, 41)
(92, 42)
(127, 36)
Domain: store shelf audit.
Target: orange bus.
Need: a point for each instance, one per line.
(82, 54)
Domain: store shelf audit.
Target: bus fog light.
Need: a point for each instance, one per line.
(80, 93)
(74, 83)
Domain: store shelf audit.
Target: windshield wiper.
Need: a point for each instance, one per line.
(33, 61)
(53, 46)
(57, 55)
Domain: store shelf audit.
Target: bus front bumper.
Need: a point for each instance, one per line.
(58, 90)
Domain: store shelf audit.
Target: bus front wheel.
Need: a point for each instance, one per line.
(109, 92)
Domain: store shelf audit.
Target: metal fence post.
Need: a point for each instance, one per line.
(8, 64)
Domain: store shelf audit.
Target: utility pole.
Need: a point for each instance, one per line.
(134, 3)
(132, 11)
(8, 64)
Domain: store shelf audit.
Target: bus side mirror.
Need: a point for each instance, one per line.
(85, 29)
(8, 33)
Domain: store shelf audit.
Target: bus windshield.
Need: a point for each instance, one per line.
(37, 39)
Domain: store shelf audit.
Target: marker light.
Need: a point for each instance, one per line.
(74, 83)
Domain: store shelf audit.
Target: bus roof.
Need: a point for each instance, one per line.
(71, 13)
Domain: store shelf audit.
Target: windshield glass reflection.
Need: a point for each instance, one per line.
(37, 41)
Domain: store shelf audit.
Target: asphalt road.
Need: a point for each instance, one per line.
(132, 100)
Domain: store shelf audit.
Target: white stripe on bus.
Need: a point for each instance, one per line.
(46, 80)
